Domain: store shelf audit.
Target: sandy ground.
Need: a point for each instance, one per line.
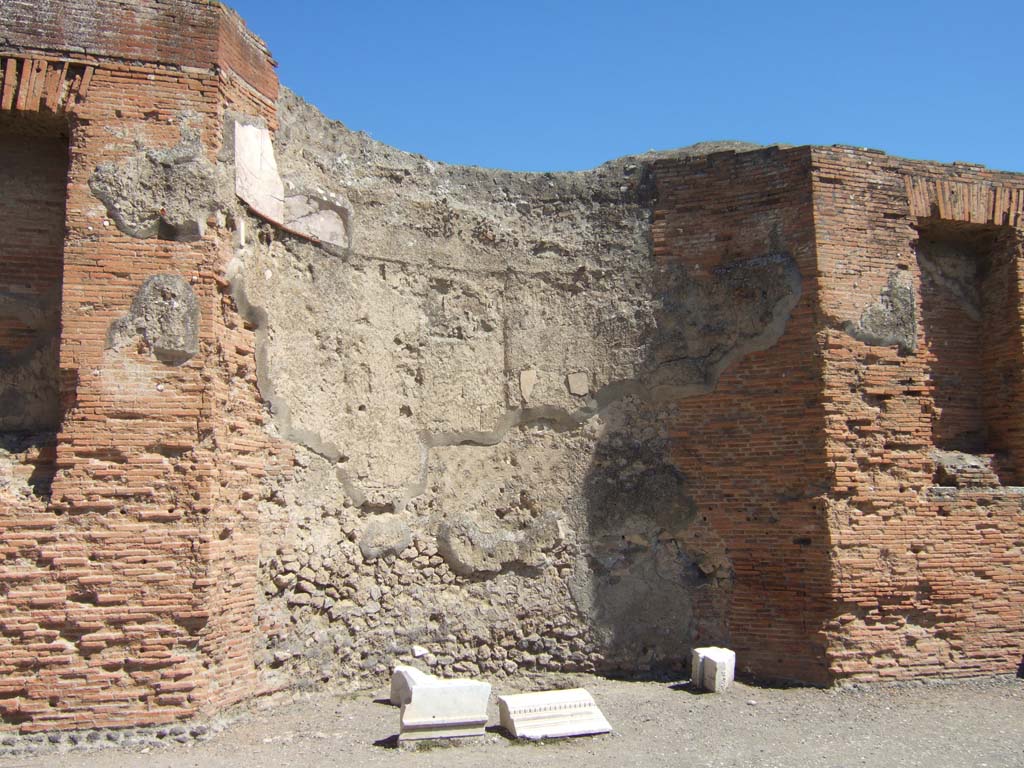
(975, 723)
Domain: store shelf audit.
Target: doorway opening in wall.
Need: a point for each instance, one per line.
(970, 319)
(34, 166)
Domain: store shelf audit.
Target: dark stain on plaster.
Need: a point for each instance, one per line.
(707, 321)
(650, 596)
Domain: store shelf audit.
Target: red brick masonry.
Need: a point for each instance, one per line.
(129, 598)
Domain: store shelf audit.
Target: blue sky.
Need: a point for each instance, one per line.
(567, 85)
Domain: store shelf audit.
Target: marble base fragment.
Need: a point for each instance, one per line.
(402, 681)
(445, 709)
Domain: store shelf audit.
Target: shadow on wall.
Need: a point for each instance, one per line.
(654, 596)
(659, 578)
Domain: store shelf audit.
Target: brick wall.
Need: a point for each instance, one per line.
(753, 450)
(130, 592)
(180, 32)
(194, 34)
(927, 577)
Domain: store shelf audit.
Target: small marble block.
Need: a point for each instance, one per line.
(551, 714)
(713, 669)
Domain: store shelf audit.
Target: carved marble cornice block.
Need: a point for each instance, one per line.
(551, 714)
(445, 709)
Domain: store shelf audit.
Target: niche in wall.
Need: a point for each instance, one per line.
(33, 188)
(969, 301)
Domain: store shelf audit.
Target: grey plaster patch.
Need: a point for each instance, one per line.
(164, 315)
(166, 193)
(472, 546)
(890, 321)
(383, 535)
(954, 268)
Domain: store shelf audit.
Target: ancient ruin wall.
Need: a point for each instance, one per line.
(483, 380)
(525, 421)
(129, 589)
(921, 276)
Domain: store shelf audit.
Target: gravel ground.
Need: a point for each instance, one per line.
(970, 723)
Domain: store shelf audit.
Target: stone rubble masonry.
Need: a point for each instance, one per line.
(817, 464)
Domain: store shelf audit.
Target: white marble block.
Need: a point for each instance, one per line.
(445, 709)
(551, 714)
(256, 179)
(713, 669)
(402, 681)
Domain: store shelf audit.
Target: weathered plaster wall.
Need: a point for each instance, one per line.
(483, 382)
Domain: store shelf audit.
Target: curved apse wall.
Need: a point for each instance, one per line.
(480, 376)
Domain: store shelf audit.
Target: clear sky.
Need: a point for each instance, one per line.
(565, 85)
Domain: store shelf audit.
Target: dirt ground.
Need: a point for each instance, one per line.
(974, 723)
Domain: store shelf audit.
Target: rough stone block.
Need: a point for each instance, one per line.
(445, 709)
(551, 714)
(579, 383)
(527, 381)
(713, 669)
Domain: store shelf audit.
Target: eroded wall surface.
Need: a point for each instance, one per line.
(484, 378)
